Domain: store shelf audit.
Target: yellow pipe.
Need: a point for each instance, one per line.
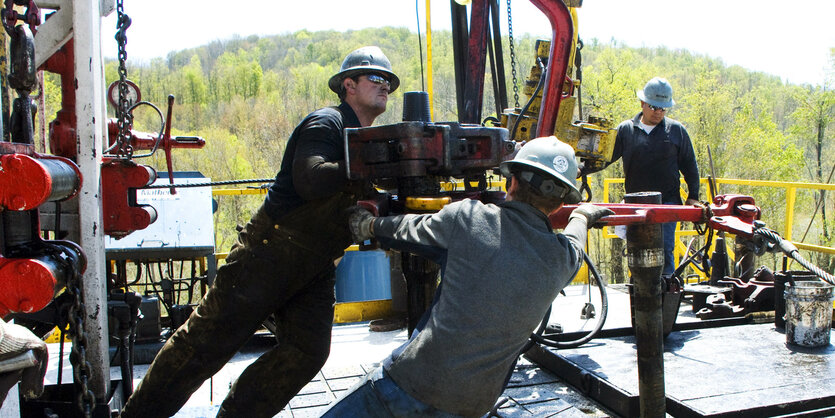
(429, 88)
(606, 183)
(237, 192)
(574, 40)
(812, 247)
(791, 197)
(772, 183)
(362, 311)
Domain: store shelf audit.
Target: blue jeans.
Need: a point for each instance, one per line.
(377, 396)
(669, 233)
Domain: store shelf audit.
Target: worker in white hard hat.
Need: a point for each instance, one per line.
(282, 264)
(502, 266)
(656, 151)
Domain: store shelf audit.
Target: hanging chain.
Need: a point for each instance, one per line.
(78, 355)
(512, 57)
(124, 118)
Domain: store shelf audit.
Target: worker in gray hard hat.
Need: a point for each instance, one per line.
(502, 266)
(366, 60)
(655, 149)
(282, 265)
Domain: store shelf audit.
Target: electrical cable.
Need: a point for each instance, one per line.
(530, 101)
(537, 336)
(420, 46)
(691, 258)
(159, 136)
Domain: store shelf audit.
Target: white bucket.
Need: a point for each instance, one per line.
(809, 313)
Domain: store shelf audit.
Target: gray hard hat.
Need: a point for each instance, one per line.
(657, 92)
(551, 157)
(364, 60)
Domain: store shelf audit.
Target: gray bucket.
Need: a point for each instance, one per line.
(809, 313)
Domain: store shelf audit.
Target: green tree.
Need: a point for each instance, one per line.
(814, 116)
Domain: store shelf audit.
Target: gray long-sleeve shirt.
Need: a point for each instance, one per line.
(502, 266)
(652, 162)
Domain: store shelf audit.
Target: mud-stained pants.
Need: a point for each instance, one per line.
(266, 272)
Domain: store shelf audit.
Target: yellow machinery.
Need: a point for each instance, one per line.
(593, 140)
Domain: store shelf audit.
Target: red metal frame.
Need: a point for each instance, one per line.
(561, 38)
(421, 148)
(730, 213)
(120, 212)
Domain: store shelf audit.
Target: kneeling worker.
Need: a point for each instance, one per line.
(502, 267)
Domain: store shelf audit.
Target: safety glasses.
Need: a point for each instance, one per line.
(663, 109)
(378, 79)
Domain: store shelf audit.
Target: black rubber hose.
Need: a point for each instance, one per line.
(537, 337)
(530, 101)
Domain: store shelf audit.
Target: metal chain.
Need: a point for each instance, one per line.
(512, 57)
(78, 355)
(124, 118)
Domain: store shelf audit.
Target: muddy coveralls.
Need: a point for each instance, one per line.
(282, 264)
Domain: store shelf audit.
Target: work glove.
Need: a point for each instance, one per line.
(16, 340)
(591, 213)
(359, 222)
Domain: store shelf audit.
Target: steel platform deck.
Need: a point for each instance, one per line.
(739, 371)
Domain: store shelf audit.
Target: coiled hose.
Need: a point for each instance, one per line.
(537, 337)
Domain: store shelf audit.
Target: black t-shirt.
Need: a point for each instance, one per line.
(320, 134)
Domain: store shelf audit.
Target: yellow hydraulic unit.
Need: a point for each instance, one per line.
(593, 140)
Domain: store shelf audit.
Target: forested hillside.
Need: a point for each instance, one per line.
(245, 95)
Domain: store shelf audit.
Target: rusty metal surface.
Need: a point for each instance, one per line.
(744, 370)
(412, 149)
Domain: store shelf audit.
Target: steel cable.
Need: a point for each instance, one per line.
(778, 243)
(208, 184)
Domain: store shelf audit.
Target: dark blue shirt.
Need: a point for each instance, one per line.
(652, 162)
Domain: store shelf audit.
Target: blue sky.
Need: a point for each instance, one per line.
(792, 39)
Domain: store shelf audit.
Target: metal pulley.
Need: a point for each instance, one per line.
(23, 75)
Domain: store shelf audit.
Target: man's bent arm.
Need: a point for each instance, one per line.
(319, 165)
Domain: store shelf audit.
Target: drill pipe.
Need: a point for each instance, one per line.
(645, 249)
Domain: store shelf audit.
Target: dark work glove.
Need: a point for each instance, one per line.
(359, 222)
(591, 213)
(14, 341)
